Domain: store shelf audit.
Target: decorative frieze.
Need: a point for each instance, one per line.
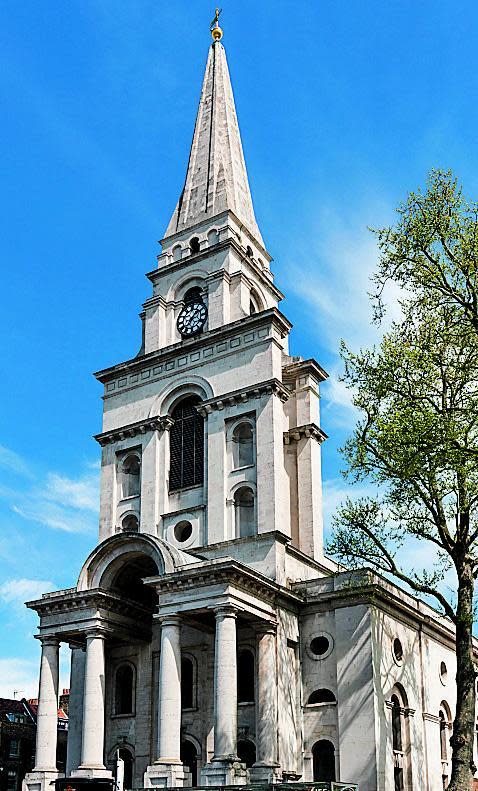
(309, 430)
(134, 429)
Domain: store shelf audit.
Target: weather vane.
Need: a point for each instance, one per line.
(216, 31)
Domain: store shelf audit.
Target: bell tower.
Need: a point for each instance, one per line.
(220, 424)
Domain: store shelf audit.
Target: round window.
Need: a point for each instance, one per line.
(397, 651)
(443, 672)
(319, 645)
(183, 531)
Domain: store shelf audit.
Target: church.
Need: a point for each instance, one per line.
(212, 641)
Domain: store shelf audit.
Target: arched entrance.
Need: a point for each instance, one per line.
(189, 758)
(246, 751)
(128, 764)
(323, 755)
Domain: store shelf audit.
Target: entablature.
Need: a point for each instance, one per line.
(308, 431)
(269, 387)
(149, 424)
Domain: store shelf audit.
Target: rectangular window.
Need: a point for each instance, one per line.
(14, 751)
(11, 780)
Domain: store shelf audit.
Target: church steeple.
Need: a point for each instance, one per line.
(216, 178)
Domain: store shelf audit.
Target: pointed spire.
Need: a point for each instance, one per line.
(216, 177)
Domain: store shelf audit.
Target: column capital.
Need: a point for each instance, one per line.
(225, 611)
(99, 632)
(261, 628)
(169, 620)
(48, 639)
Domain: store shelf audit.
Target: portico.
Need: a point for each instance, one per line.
(208, 595)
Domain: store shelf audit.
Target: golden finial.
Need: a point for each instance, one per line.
(216, 31)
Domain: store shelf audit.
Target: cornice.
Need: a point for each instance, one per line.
(309, 366)
(72, 600)
(272, 316)
(189, 231)
(269, 387)
(205, 574)
(134, 429)
(307, 431)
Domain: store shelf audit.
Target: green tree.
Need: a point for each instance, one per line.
(417, 435)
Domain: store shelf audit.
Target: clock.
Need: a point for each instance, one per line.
(192, 318)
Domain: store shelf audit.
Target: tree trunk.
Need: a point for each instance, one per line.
(464, 724)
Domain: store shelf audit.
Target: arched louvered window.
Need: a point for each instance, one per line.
(186, 445)
(244, 512)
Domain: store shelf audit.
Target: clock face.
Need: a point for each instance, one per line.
(192, 318)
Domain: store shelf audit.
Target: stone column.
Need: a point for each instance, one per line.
(75, 708)
(265, 768)
(47, 716)
(225, 686)
(167, 770)
(169, 714)
(93, 733)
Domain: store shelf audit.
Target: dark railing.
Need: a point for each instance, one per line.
(325, 786)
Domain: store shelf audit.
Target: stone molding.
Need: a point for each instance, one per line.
(134, 429)
(227, 338)
(269, 387)
(211, 573)
(73, 600)
(307, 431)
(302, 367)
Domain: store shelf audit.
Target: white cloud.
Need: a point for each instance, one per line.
(13, 462)
(81, 493)
(55, 500)
(19, 591)
(18, 678)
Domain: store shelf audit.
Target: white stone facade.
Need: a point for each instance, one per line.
(212, 641)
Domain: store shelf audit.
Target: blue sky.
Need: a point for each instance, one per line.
(344, 106)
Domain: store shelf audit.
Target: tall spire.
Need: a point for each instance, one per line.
(216, 177)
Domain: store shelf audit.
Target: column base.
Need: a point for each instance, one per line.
(91, 772)
(167, 774)
(40, 780)
(265, 773)
(224, 772)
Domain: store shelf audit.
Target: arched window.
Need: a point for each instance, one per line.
(245, 677)
(249, 252)
(443, 737)
(397, 741)
(244, 512)
(322, 696)
(243, 445)
(323, 756)
(130, 476)
(186, 445)
(246, 751)
(212, 237)
(187, 683)
(177, 252)
(130, 524)
(194, 245)
(189, 758)
(193, 295)
(124, 690)
(402, 772)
